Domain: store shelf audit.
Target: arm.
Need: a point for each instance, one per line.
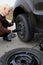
(3, 19)
(4, 30)
(9, 23)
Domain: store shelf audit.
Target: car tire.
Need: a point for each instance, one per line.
(22, 55)
(23, 22)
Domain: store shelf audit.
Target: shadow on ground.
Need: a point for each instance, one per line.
(37, 37)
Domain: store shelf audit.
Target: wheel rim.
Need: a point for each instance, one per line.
(21, 26)
(22, 58)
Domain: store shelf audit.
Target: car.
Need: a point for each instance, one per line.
(28, 16)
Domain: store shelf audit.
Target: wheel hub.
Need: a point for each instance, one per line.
(21, 27)
(22, 59)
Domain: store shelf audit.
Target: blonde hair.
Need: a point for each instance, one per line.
(3, 7)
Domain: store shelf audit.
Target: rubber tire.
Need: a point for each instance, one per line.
(4, 58)
(28, 27)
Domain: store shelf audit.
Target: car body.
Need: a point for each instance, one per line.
(29, 5)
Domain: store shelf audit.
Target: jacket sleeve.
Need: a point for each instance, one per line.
(9, 24)
(5, 21)
(4, 30)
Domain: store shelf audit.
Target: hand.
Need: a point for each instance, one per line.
(12, 24)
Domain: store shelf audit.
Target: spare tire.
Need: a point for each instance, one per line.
(22, 56)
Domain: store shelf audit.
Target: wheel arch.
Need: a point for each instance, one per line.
(19, 10)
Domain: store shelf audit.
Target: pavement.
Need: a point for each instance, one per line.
(17, 43)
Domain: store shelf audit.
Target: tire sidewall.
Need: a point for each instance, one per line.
(28, 26)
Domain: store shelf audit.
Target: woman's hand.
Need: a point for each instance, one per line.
(11, 24)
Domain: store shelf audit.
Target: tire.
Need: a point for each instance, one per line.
(24, 23)
(22, 55)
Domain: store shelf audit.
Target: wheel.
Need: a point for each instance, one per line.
(22, 56)
(23, 23)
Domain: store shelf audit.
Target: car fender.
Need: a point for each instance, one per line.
(25, 4)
